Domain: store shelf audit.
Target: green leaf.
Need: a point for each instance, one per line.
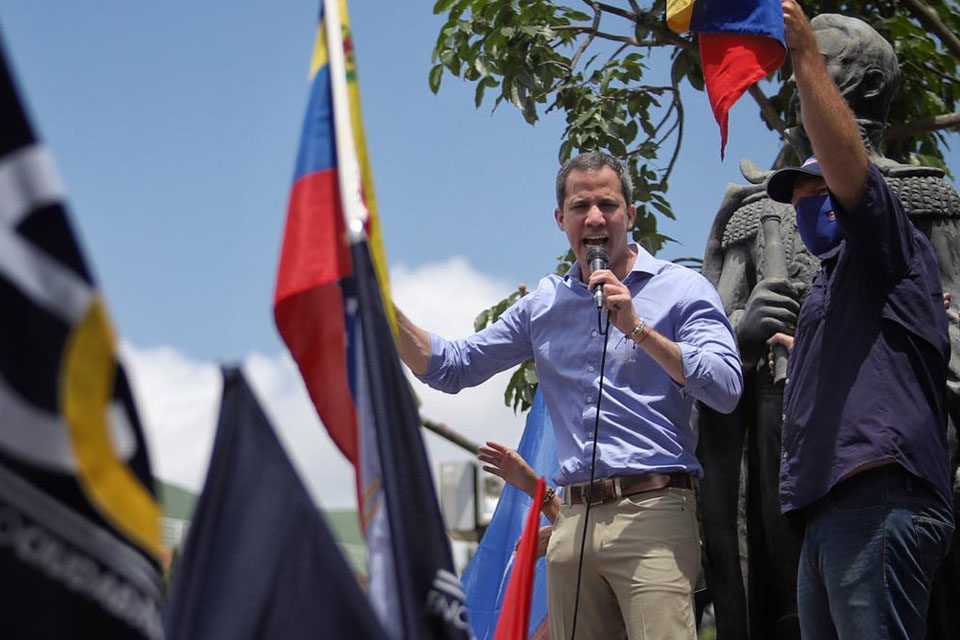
(434, 80)
(442, 5)
(478, 95)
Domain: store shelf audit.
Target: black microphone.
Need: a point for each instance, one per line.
(597, 258)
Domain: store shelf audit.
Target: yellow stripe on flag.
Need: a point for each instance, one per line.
(319, 57)
(88, 375)
(679, 13)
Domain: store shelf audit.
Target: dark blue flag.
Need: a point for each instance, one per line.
(260, 561)
(427, 599)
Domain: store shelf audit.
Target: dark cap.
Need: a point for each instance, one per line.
(780, 184)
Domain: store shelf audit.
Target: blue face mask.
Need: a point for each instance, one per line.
(817, 224)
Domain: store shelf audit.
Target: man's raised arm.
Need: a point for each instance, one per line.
(826, 117)
(413, 344)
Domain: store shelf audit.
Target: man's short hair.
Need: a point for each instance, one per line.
(594, 161)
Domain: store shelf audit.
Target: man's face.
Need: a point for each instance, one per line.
(594, 213)
(806, 186)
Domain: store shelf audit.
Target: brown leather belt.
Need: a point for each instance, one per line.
(608, 489)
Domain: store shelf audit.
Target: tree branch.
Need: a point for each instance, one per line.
(920, 126)
(676, 149)
(617, 11)
(929, 19)
(449, 434)
(611, 36)
(586, 43)
(767, 110)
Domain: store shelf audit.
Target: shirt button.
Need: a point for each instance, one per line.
(783, 417)
(786, 381)
(784, 455)
(590, 367)
(594, 333)
(589, 399)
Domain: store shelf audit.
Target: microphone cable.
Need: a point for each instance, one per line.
(605, 332)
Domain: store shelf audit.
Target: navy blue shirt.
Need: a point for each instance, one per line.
(867, 377)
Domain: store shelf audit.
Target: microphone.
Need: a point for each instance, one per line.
(597, 258)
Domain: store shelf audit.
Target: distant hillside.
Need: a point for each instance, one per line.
(178, 502)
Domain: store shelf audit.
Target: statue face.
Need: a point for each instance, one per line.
(843, 73)
(859, 61)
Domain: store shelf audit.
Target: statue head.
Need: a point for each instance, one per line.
(861, 63)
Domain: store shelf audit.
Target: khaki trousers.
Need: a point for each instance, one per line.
(640, 567)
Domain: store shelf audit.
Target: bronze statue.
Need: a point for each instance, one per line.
(751, 566)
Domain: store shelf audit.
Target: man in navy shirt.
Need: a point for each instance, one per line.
(864, 459)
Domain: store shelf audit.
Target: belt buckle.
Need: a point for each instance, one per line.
(605, 484)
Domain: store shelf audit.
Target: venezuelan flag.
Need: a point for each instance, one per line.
(741, 41)
(334, 312)
(332, 182)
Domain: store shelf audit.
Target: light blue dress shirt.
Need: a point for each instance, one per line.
(644, 415)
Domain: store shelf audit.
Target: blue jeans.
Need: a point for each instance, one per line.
(870, 550)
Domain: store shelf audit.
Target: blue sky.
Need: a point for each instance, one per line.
(175, 127)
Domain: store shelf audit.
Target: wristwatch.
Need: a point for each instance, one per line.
(547, 497)
(639, 332)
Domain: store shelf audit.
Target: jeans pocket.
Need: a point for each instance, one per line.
(934, 535)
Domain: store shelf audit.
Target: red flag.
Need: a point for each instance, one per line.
(515, 615)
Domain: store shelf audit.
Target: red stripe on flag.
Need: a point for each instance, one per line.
(515, 615)
(315, 250)
(308, 304)
(731, 63)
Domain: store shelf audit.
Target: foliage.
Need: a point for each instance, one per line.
(603, 66)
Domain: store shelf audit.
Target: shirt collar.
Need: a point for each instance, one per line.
(644, 263)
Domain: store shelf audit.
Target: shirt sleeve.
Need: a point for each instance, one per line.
(456, 364)
(711, 362)
(878, 228)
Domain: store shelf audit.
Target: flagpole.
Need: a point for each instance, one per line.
(348, 168)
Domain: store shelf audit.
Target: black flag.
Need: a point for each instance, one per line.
(79, 521)
(428, 600)
(260, 561)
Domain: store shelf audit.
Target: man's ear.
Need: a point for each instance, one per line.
(558, 216)
(631, 215)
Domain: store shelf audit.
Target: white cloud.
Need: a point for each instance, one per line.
(179, 398)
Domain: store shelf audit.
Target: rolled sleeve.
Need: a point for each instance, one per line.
(456, 364)
(708, 351)
(437, 361)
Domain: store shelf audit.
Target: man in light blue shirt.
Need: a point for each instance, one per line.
(669, 344)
